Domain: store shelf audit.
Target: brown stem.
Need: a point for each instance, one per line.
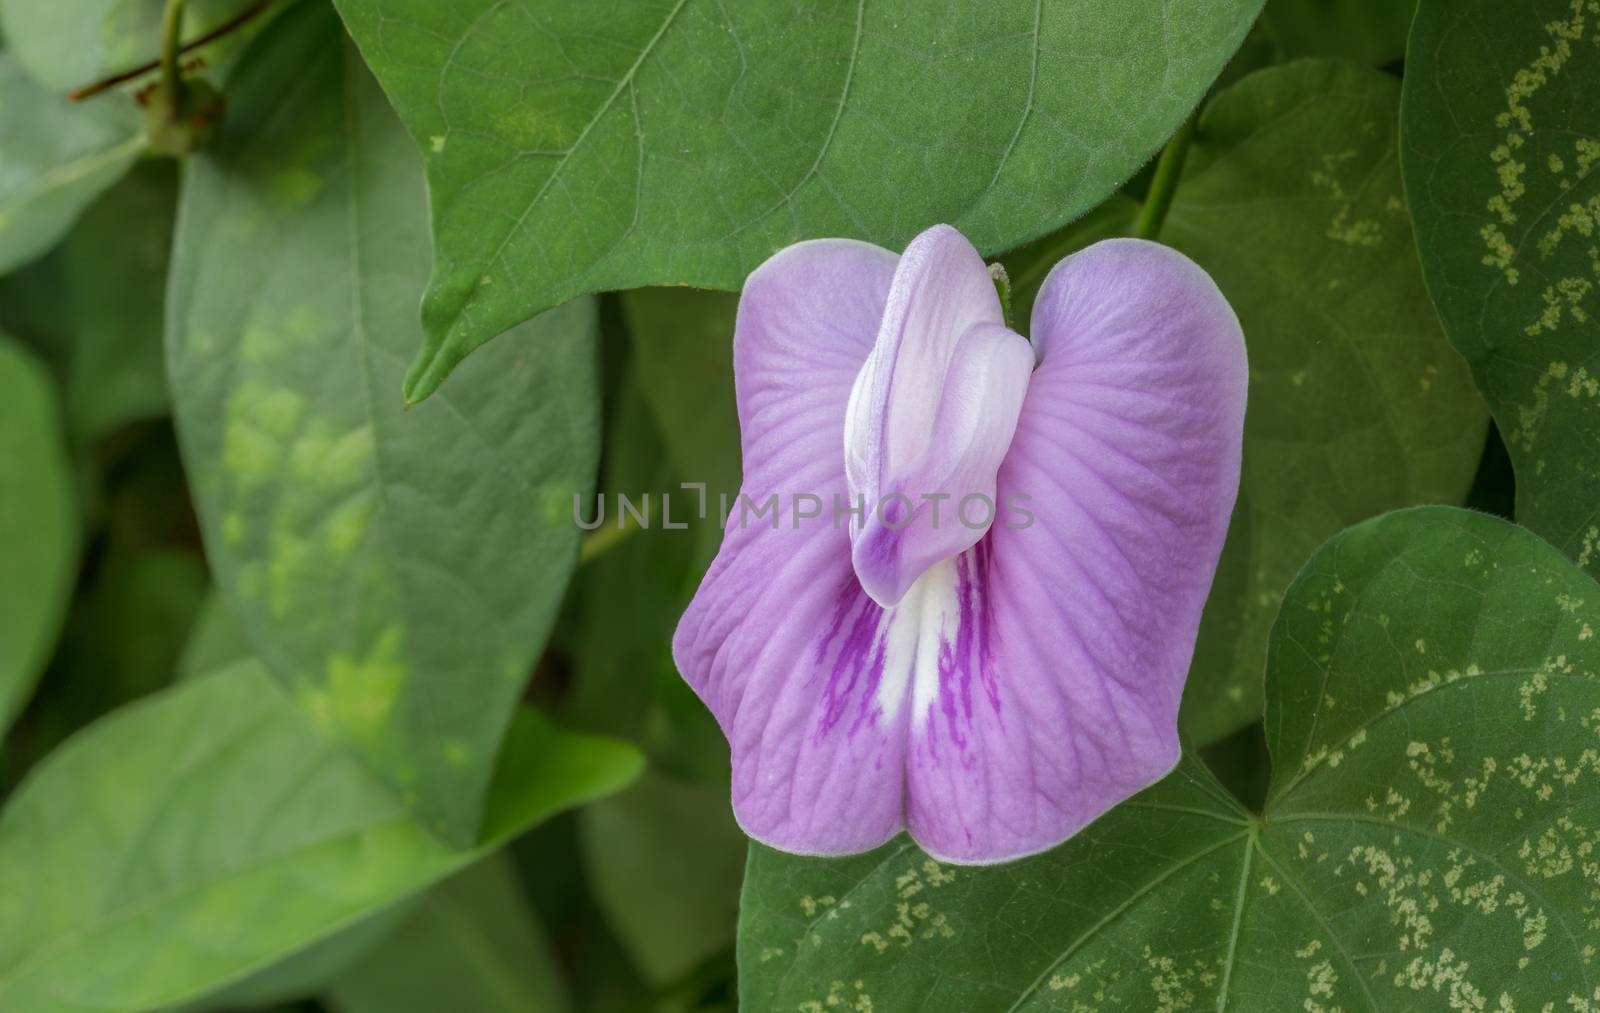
(239, 20)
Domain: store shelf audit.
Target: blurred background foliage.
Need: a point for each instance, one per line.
(628, 903)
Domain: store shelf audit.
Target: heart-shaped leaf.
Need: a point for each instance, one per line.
(1292, 202)
(399, 570)
(204, 833)
(1417, 852)
(1502, 167)
(575, 147)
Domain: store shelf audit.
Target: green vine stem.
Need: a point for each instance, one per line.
(171, 46)
(1165, 183)
(599, 542)
(1002, 288)
(238, 21)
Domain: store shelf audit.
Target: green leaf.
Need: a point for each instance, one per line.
(65, 44)
(577, 148)
(681, 341)
(624, 680)
(643, 574)
(95, 304)
(126, 630)
(665, 862)
(134, 597)
(55, 159)
(398, 569)
(894, 929)
(38, 525)
(202, 834)
(682, 344)
(1502, 167)
(1372, 32)
(598, 973)
(472, 944)
(308, 971)
(1432, 710)
(1292, 201)
(215, 639)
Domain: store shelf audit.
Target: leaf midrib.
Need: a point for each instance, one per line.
(1278, 798)
(1251, 844)
(1322, 922)
(70, 940)
(863, 881)
(1120, 909)
(562, 162)
(1451, 842)
(65, 173)
(97, 923)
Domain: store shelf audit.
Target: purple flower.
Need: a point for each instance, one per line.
(989, 678)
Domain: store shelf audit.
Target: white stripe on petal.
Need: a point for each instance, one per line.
(915, 631)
